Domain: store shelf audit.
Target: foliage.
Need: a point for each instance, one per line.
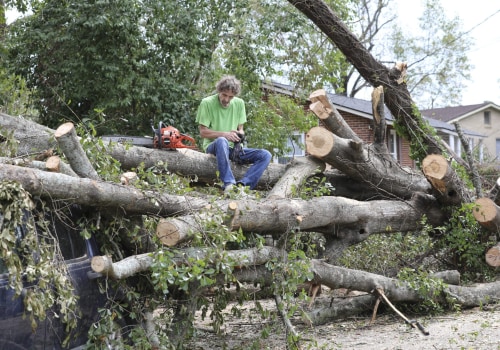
(430, 289)
(28, 251)
(463, 243)
(387, 254)
(437, 57)
(272, 123)
(418, 146)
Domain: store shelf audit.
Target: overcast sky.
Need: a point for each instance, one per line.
(482, 19)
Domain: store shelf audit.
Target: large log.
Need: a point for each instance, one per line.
(357, 161)
(346, 220)
(70, 145)
(97, 193)
(33, 137)
(325, 214)
(186, 162)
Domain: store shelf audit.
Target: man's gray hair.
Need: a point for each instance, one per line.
(229, 82)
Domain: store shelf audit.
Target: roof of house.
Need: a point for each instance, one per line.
(363, 108)
(451, 114)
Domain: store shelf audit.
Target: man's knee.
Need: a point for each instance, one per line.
(266, 155)
(221, 141)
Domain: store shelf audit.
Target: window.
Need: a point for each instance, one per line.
(487, 118)
(295, 147)
(498, 148)
(392, 144)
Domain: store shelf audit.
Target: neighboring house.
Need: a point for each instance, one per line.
(483, 118)
(358, 115)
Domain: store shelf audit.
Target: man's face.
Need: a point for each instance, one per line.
(225, 98)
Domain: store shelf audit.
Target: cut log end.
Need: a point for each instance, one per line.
(319, 142)
(53, 164)
(64, 129)
(435, 166)
(101, 264)
(485, 210)
(493, 256)
(168, 233)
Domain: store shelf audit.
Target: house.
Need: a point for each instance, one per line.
(358, 115)
(483, 118)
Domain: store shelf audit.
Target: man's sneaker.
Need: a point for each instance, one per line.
(228, 190)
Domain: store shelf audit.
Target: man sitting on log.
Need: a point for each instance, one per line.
(220, 118)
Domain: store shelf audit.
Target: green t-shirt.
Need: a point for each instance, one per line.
(212, 115)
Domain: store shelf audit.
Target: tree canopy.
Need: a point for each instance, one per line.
(122, 64)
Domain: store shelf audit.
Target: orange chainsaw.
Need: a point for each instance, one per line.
(169, 137)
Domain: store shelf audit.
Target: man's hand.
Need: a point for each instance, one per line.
(232, 136)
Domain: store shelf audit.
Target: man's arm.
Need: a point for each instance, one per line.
(232, 135)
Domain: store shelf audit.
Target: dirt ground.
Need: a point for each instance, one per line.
(476, 329)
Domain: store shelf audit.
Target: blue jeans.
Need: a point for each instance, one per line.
(259, 158)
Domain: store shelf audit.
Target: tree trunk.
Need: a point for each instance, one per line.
(187, 163)
(33, 138)
(68, 141)
(397, 97)
(139, 263)
(365, 165)
(330, 117)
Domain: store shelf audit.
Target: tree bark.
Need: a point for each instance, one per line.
(337, 216)
(380, 126)
(33, 138)
(186, 162)
(298, 170)
(99, 194)
(139, 263)
(365, 165)
(330, 117)
(68, 141)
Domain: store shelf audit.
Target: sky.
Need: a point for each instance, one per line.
(482, 19)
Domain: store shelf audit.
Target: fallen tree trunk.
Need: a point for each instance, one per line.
(346, 221)
(186, 162)
(33, 138)
(331, 276)
(363, 164)
(338, 216)
(139, 263)
(98, 194)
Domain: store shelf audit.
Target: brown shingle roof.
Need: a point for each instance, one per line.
(448, 114)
